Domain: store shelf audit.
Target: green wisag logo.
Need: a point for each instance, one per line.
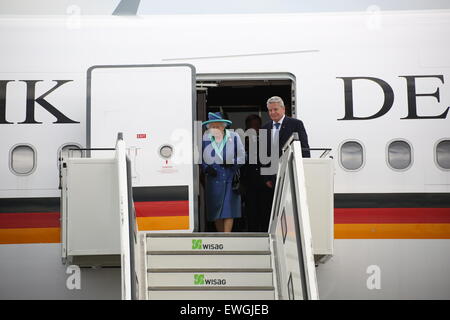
(196, 244)
(199, 278)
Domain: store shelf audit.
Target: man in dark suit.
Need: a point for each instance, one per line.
(281, 127)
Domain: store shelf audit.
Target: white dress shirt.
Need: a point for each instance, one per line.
(274, 130)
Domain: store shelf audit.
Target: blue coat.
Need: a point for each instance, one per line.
(221, 201)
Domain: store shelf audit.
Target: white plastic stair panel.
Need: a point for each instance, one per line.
(211, 295)
(204, 278)
(195, 243)
(209, 260)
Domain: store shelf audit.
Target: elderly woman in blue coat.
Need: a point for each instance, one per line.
(223, 154)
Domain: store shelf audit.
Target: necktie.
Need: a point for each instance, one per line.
(275, 130)
(275, 134)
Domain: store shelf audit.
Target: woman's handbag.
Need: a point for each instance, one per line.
(236, 185)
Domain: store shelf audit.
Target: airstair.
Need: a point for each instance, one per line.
(189, 265)
(248, 266)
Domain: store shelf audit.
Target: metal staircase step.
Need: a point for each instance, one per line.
(203, 279)
(201, 242)
(209, 235)
(174, 270)
(199, 253)
(209, 261)
(212, 294)
(216, 288)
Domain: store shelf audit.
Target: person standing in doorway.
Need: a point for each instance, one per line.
(257, 196)
(223, 154)
(281, 127)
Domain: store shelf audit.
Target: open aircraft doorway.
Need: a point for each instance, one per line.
(238, 96)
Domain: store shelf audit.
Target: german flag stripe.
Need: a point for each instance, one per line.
(163, 223)
(29, 220)
(29, 205)
(392, 200)
(161, 208)
(30, 235)
(392, 231)
(166, 193)
(391, 215)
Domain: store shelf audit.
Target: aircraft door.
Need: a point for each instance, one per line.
(154, 106)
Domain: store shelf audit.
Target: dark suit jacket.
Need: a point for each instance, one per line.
(288, 127)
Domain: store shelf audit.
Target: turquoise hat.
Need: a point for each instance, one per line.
(216, 117)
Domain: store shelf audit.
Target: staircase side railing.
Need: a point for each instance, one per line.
(290, 230)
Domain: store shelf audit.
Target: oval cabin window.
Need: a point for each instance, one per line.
(23, 160)
(352, 155)
(443, 154)
(399, 155)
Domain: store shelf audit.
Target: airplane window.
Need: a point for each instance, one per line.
(352, 155)
(399, 155)
(443, 154)
(23, 159)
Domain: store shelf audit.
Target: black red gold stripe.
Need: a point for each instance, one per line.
(162, 208)
(392, 216)
(29, 220)
(356, 216)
